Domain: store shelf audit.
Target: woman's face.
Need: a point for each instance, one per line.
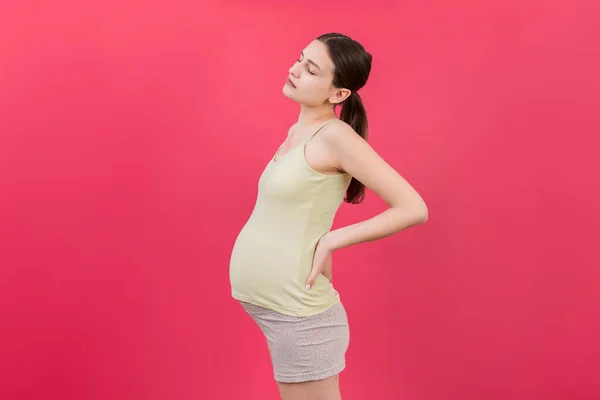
(310, 77)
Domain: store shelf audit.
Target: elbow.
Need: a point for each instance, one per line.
(423, 216)
(422, 213)
(413, 213)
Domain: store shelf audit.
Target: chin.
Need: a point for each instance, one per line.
(287, 92)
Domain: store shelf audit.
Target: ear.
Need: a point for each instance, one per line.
(339, 95)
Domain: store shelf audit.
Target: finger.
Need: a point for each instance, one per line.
(311, 280)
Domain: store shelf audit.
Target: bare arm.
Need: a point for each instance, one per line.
(355, 156)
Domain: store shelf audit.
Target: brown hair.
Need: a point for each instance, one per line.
(352, 65)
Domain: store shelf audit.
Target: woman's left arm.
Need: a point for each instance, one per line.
(355, 156)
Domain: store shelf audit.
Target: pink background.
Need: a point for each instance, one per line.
(132, 134)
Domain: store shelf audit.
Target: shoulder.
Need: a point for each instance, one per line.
(338, 135)
(291, 129)
(337, 131)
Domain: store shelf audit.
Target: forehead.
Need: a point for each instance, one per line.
(317, 52)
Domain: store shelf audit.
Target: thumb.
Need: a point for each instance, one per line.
(311, 279)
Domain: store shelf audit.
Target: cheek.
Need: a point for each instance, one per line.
(316, 86)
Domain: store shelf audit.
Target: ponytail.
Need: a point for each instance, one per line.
(354, 114)
(352, 66)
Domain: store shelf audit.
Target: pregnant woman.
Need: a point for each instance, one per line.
(281, 267)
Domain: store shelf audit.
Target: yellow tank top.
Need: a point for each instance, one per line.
(272, 255)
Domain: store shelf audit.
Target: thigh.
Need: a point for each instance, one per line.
(324, 389)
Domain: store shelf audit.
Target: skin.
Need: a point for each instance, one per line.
(337, 148)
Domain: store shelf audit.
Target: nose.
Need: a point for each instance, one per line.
(294, 70)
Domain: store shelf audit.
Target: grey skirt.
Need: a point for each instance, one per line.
(304, 348)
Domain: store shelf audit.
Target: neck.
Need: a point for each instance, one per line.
(310, 115)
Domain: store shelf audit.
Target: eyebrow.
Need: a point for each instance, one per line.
(310, 61)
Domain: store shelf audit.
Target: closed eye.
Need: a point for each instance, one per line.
(308, 69)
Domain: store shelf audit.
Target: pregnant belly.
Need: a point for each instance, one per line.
(258, 265)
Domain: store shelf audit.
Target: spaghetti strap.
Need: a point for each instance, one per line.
(317, 131)
(301, 145)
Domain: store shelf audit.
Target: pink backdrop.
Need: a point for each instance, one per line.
(132, 137)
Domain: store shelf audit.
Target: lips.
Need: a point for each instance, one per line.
(289, 82)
